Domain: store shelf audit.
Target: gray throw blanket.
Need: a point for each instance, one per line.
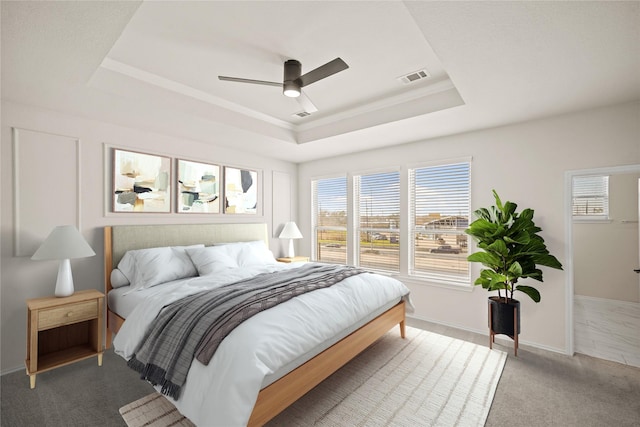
(196, 325)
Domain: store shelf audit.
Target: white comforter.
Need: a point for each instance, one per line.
(224, 392)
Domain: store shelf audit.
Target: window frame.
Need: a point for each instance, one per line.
(356, 227)
(603, 217)
(315, 227)
(404, 228)
(463, 280)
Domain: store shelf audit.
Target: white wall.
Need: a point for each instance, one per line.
(525, 163)
(22, 278)
(605, 253)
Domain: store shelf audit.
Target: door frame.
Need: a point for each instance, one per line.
(568, 191)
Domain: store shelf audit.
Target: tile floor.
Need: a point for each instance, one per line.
(607, 329)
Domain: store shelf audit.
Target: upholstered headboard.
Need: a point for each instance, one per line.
(122, 238)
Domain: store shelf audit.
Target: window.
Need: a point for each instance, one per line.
(590, 197)
(357, 220)
(439, 205)
(329, 210)
(377, 217)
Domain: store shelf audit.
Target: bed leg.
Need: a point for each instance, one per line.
(109, 330)
(108, 338)
(402, 329)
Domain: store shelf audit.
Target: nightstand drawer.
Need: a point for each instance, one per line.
(68, 314)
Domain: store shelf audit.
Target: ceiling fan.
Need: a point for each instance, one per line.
(293, 81)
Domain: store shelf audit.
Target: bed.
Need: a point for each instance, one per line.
(280, 387)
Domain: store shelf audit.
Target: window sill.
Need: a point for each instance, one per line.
(587, 220)
(425, 281)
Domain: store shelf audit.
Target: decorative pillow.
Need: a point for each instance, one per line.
(256, 253)
(150, 267)
(118, 279)
(250, 253)
(212, 259)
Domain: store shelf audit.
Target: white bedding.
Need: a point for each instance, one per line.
(224, 392)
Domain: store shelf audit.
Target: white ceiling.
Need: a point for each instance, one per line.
(154, 65)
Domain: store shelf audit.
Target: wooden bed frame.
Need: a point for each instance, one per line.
(274, 398)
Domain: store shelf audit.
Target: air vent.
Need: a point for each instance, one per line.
(415, 76)
(301, 114)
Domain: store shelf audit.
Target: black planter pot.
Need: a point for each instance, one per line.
(502, 316)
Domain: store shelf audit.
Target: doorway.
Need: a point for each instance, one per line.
(604, 293)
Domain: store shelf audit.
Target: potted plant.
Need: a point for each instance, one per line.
(511, 250)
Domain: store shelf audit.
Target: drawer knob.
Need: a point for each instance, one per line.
(69, 314)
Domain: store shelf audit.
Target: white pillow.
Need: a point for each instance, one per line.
(256, 253)
(150, 267)
(250, 253)
(118, 279)
(212, 259)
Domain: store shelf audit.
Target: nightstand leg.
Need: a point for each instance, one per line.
(100, 359)
(32, 381)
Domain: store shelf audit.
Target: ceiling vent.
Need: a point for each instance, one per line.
(415, 76)
(301, 114)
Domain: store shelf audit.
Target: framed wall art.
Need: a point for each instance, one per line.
(198, 187)
(240, 191)
(141, 182)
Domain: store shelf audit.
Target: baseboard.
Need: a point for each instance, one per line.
(606, 300)
(12, 370)
(485, 332)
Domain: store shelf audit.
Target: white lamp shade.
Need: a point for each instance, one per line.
(290, 231)
(64, 242)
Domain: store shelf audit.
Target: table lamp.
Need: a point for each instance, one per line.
(290, 231)
(64, 242)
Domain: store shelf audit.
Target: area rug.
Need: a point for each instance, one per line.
(424, 380)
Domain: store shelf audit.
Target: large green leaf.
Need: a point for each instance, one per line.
(497, 198)
(527, 214)
(482, 213)
(498, 247)
(522, 238)
(548, 261)
(481, 228)
(491, 280)
(532, 292)
(535, 274)
(483, 282)
(515, 269)
(486, 258)
(509, 209)
(497, 286)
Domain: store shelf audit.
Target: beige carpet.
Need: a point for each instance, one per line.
(424, 380)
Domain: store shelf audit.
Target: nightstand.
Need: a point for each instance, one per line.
(61, 331)
(294, 259)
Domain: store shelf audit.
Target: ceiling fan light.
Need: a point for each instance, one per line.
(291, 89)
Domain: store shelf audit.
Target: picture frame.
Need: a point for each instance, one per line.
(241, 189)
(141, 182)
(198, 187)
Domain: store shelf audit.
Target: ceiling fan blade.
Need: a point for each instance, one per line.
(326, 70)
(256, 82)
(306, 104)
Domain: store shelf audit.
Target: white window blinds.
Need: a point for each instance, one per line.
(590, 197)
(438, 214)
(377, 203)
(329, 210)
